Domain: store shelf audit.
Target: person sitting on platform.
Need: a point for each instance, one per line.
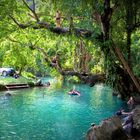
(122, 114)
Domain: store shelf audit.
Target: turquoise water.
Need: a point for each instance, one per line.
(48, 113)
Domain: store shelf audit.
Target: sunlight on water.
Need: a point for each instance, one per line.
(51, 114)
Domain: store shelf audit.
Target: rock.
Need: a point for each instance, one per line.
(137, 100)
(119, 96)
(109, 129)
(136, 125)
(136, 118)
(8, 94)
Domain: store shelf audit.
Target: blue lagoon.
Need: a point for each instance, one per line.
(49, 113)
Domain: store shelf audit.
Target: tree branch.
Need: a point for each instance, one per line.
(87, 78)
(32, 10)
(45, 25)
(115, 6)
(23, 26)
(34, 5)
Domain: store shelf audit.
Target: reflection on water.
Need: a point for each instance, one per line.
(50, 113)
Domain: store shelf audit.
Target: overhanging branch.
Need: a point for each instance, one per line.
(45, 25)
(90, 79)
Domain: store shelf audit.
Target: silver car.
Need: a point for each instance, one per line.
(7, 71)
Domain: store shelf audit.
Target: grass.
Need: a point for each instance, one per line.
(10, 80)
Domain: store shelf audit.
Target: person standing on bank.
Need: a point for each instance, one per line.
(58, 19)
(131, 102)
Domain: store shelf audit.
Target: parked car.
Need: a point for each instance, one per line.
(7, 71)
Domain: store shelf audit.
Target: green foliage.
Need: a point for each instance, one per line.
(2, 87)
(28, 75)
(136, 52)
(6, 8)
(31, 84)
(97, 69)
(72, 79)
(19, 47)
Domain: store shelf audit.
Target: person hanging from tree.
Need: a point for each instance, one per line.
(54, 61)
(58, 19)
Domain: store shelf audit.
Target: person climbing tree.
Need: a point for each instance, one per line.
(58, 19)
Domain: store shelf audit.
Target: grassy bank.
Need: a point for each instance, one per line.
(10, 80)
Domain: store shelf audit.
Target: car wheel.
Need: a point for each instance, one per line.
(4, 73)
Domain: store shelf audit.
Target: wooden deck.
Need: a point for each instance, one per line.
(16, 86)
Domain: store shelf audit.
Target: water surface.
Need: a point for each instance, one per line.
(51, 114)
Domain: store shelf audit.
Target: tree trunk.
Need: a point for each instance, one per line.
(125, 65)
(129, 47)
(105, 19)
(105, 26)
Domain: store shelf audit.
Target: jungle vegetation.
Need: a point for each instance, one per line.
(93, 37)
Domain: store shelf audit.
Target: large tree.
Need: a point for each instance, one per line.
(106, 24)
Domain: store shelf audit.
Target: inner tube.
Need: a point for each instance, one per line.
(73, 92)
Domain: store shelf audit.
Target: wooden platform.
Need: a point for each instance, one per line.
(16, 86)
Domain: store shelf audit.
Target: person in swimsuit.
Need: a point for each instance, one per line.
(58, 19)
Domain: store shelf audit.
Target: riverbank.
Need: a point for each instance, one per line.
(5, 82)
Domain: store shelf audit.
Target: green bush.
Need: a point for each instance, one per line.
(31, 84)
(28, 75)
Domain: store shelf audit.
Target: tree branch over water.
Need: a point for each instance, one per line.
(44, 25)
